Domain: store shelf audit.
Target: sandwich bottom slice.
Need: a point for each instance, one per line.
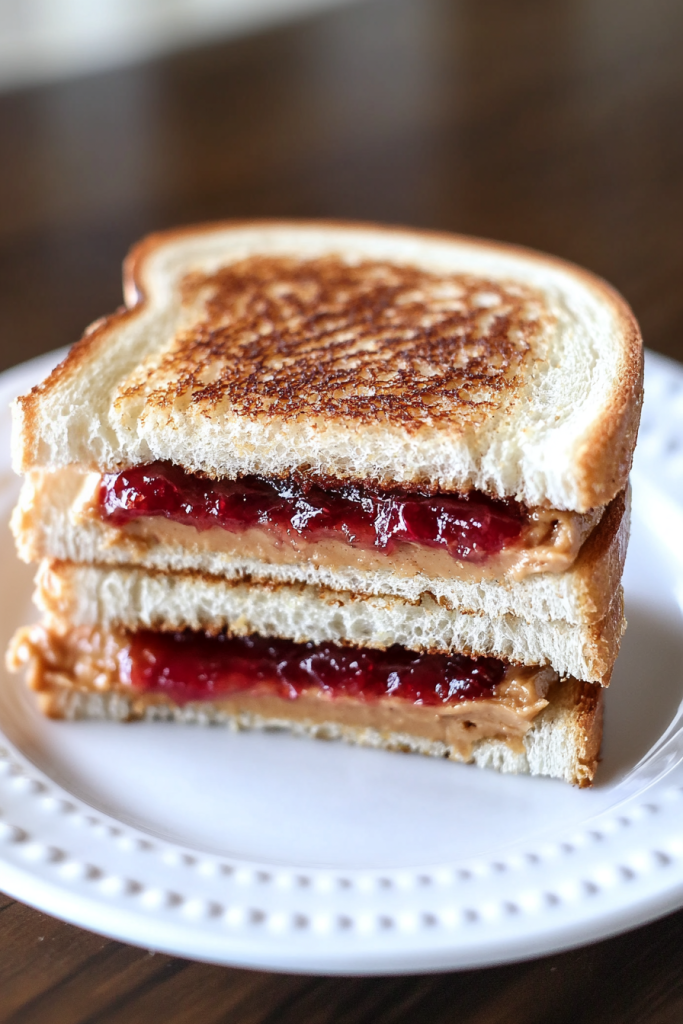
(486, 710)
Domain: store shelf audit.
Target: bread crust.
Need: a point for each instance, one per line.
(604, 452)
(589, 724)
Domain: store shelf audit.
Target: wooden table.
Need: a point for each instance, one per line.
(555, 123)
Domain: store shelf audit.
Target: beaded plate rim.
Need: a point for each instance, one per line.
(622, 869)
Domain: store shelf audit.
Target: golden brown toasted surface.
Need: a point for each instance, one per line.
(73, 416)
(369, 341)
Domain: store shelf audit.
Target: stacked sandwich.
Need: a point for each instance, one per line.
(352, 481)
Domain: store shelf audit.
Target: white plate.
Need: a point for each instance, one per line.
(275, 852)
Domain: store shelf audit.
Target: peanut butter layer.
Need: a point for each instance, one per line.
(550, 542)
(91, 660)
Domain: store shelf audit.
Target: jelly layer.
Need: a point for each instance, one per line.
(323, 689)
(469, 527)
(195, 666)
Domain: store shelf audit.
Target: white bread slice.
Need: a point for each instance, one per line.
(45, 526)
(563, 742)
(365, 353)
(77, 595)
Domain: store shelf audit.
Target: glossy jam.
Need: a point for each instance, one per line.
(194, 666)
(470, 527)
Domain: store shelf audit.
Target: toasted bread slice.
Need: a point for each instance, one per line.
(353, 352)
(75, 595)
(563, 741)
(530, 722)
(48, 524)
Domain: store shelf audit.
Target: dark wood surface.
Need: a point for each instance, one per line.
(554, 123)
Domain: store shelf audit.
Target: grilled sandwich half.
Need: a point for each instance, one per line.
(349, 480)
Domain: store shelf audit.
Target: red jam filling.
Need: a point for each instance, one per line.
(190, 666)
(470, 527)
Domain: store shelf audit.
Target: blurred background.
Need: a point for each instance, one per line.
(554, 123)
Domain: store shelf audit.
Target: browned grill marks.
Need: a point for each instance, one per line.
(367, 341)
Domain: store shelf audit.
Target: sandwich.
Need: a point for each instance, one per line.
(357, 482)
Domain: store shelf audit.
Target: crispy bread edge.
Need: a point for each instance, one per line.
(601, 560)
(590, 724)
